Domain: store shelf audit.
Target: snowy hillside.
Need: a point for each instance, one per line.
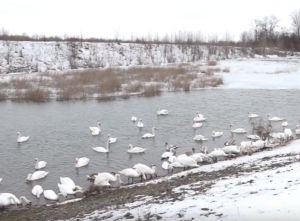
(57, 56)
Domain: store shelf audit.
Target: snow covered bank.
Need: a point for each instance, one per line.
(266, 187)
(58, 56)
(262, 73)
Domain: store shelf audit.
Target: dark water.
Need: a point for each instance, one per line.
(59, 131)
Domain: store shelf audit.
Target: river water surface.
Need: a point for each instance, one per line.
(59, 131)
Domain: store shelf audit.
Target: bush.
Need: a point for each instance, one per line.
(152, 90)
(36, 95)
(212, 63)
(3, 96)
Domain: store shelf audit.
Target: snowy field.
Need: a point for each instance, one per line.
(269, 191)
(262, 73)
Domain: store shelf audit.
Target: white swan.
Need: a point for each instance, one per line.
(37, 190)
(39, 164)
(68, 181)
(7, 199)
(66, 189)
(140, 124)
(112, 139)
(144, 169)
(199, 118)
(1, 179)
(232, 149)
(239, 131)
(104, 179)
(96, 130)
(132, 173)
(252, 115)
(149, 135)
(51, 195)
(215, 134)
(21, 138)
(133, 118)
(199, 137)
(133, 149)
(102, 149)
(253, 137)
(162, 112)
(284, 124)
(297, 130)
(169, 153)
(274, 118)
(216, 153)
(39, 174)
(197, 125)
(170, 166)
(186, 161)
(81, 162)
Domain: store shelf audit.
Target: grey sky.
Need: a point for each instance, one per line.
(105, 18)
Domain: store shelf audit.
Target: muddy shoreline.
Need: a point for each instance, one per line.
(160, 191)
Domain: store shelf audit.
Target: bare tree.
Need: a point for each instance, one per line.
(296, 22)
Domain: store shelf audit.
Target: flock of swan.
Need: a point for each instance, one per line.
(170, 160)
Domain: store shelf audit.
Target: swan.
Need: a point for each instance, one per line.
(7, 199)
(284, 124)
(297, 130)
(140, 124)
(252, 115)
(102, 149)
(253, 137)
(70, 182)
(39, 174)
(37, 190)
(146, 170)
(162, 112)
(217, 152)
(96, 130)
(258, 145)
(133, 118)
(215, 134)
(198, 157)
(1, 179)
(133, 149)
(288, 133)
(51, 195)
(39, 164)
(81, 162)
(232, 149)
(199, 118)
(112, 139)
(197, 125)
(132, 173)
(66, 189)
(170, 166)
(274, 118)
(239, 131)
(199, 137)
(186, 161)
(168, 154)
(104, 179)
(21, 138)
(149, 135)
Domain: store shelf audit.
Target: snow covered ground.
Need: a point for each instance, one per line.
(262, 73)
(267, 191)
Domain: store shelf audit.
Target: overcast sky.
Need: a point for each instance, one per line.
(105, 18)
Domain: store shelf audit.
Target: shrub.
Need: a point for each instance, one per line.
(212, 63)
(36, 95)
(152, 90)
(3, 96)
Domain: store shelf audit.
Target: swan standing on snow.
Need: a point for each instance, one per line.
(144, 169)
(215, 134)
(96, 130)
(150, 135)
(132, 173)
(102, 149)
(37, 190)
(112, 139)
(39, 174)
(133, 118)
(21, 138)
(39, 164)
(140, 124)
(133, 149)
(81, 162)
(162, 112)
(7, 199)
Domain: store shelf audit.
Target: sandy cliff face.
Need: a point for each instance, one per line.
(57, 56)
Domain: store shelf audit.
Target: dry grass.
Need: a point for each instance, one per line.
(212, 63)
(3, 96)
(152, 90)
(133, 87)
(36, 95)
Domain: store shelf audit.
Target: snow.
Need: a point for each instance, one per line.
(262, 73)
(267, 194)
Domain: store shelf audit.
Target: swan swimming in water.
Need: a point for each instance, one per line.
(199, 118)
(96, 130)
(238, 130)
(39, 164)
(133, 118)
(102, 149)
(39, 174)
(162, 112)
(215, 134)
(7, 199)
(68, 181)
(21, 138)
(150, 135)
(51, 195)
(197, 125)
(199, 137)
(252, 115)
(274, 118)
(133, 149)
(112, 139)
(37, 190)
(81, 162)
(140, 124)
